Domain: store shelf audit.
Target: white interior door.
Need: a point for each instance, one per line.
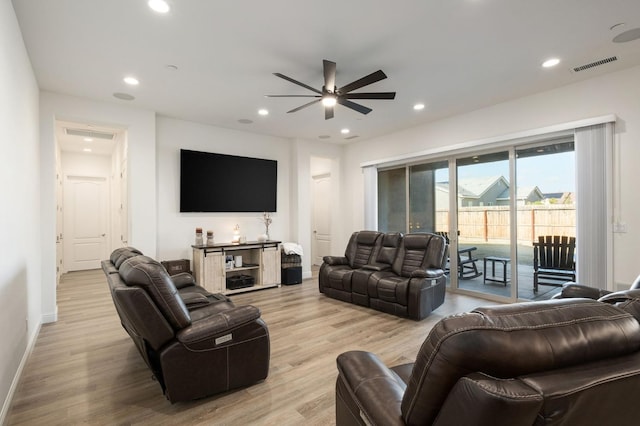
(85, 222)
(321, 238)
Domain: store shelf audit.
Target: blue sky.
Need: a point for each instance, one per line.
(550, 173)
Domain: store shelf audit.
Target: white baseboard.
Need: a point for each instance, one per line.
(18, 375)
(49, 318)
(306, 274)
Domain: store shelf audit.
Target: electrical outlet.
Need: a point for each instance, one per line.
(620, 227)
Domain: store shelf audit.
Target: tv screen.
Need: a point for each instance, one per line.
(226, 183)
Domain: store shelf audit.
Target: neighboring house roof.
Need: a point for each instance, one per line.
(522, 193)
(473, 187)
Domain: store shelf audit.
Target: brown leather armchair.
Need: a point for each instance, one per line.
(570, 362)
(197, 351)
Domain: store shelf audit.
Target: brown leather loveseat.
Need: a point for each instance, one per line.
(196, 343)
(558, 362)
(399, 274)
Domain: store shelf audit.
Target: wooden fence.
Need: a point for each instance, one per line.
(491, 223)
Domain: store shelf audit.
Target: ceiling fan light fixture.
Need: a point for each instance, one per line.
(329, 100)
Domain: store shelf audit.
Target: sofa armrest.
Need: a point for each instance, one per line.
(572, 290)
(376, 389)
(194, 300)
(335, 260)
(217, 324)
(377, 267)
(183, 279)
(431, 273)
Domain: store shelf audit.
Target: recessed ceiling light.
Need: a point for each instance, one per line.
(160, 6)
(344, 131)
(418, 107)
(263, 112)
(88, 139)
(551, 62)
(87, 149)
(132, 81)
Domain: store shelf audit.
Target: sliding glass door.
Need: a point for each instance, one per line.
(483, 224)
(545, 208)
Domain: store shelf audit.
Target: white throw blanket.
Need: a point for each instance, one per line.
(292, 248)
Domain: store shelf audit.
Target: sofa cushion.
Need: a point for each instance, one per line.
(121, 254)
(419, 251)
(150, 275)
(362, 248)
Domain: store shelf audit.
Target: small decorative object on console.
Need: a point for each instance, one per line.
(236, 234)
(209, 238)
(266, 219)
(198, 236)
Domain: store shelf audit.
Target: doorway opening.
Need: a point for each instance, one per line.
(91, 194)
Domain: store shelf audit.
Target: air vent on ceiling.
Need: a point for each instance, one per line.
(352, 137)
(89, 133)
(594, 64)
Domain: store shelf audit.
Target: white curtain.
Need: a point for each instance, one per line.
(594, 243)
(370, 197)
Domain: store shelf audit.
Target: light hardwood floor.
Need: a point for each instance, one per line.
(84, 369)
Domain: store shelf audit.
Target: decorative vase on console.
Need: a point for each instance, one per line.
(266, 219)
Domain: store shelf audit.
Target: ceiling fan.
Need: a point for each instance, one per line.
(331, 94)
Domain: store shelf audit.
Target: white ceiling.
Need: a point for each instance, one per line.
(452, 55)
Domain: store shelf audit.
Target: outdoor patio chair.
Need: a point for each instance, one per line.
(553, 260)
(467, 268)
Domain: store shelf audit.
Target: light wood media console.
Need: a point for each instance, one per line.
(260, 260)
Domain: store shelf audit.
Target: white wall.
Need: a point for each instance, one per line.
(616, 93)
(176, 231)
(19, 219)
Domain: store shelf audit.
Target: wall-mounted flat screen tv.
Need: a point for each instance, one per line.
(212, 182)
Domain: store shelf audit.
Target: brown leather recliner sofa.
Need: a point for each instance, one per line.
(399, 274)
(557, 362)
(196, 343)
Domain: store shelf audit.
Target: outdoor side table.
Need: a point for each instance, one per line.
(496, 279)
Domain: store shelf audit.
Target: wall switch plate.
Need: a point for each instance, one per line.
(620, 227)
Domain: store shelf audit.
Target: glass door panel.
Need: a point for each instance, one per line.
(545, 207)
(427, 183)
(483, 225)
(392, 200)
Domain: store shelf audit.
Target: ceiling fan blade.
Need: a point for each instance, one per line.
(354, 106)
(291, 96)
(329, 75)
(374, 95)
(304, 106)
(364, 81)
(328, 112)
(277, 74)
